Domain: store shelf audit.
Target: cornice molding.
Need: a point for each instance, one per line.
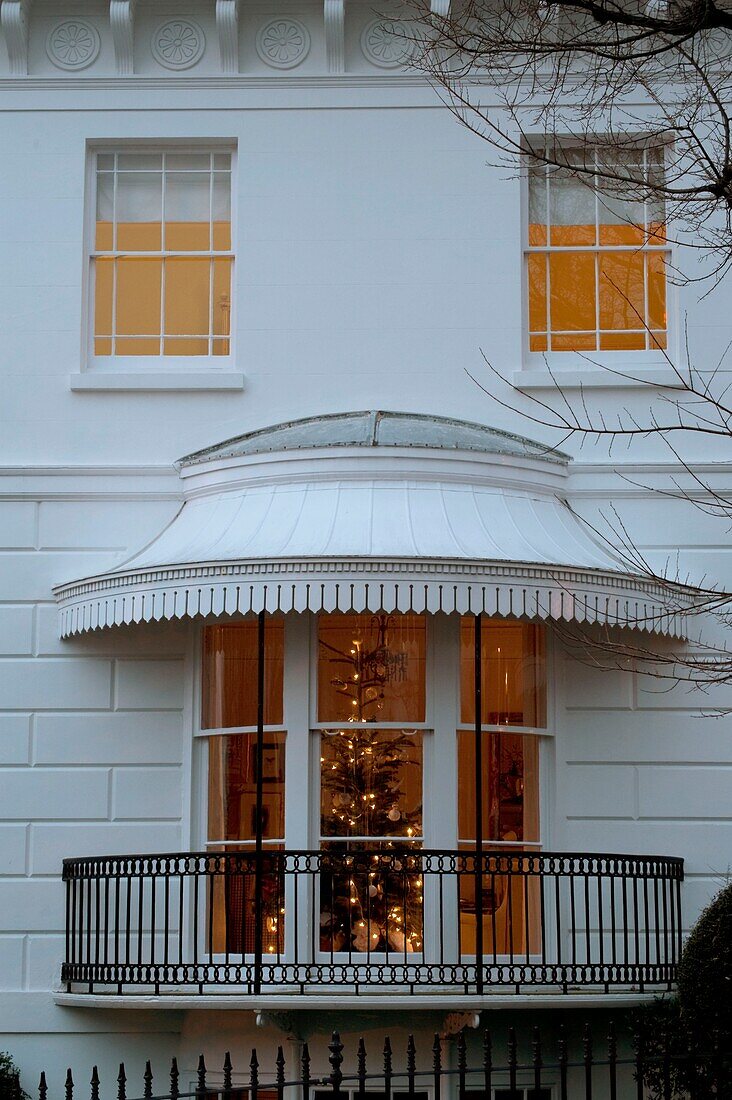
(227, 28)
(14, 17)
(175, 82)
(122, 25)
(334, 18)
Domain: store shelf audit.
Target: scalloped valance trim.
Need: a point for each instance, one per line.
(513, 590)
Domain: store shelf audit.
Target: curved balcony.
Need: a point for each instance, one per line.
(344, 921)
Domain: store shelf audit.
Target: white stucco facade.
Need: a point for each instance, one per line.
(377, 258)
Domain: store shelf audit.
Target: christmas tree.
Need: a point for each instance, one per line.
(374, 903)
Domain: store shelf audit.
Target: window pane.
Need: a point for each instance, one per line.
(232, 787)
(187, 211)
(221, 297)
(572, 291)
(371, 899)
(622, 291)
(185, 345)
(371, 783)
(134, 162)
(537, 292)
(513, 674)
(656, 290)
(139, 210)
(230, 663)
(621, 221)
(232, 910)
(222, 211)
(622, 341)
(508, 896)
(187, 296)
(103, 290)
(198, 161)
(138, 296)
(537, 206)
(371, 668)
(572, 209)
(655, 207)
(128, 345)
(510, 786)
(105, 211)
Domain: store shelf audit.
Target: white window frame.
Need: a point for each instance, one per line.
(585, 364)
(124, 368)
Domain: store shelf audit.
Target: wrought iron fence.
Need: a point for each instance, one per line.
(411, 919)
(568, 1068)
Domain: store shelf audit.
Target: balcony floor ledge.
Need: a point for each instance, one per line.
(304, 1002)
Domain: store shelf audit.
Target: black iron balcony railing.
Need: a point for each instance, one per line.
(406, 921)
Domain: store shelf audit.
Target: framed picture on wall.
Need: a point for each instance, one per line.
(273, 763)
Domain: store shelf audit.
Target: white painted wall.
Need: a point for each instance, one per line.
(377, 254)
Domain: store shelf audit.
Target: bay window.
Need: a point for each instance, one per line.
(359, 700)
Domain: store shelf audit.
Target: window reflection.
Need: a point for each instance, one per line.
(371, 668)
(232, 828)
(371, 789)
(513, 673)
(507, 903)
(230, 668)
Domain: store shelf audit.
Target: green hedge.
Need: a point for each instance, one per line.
(698, 1022)
(10, 1079)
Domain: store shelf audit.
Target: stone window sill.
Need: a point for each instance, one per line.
(629, 376)
(156, 381)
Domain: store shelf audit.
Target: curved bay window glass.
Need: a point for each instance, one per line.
(381, 715)
(512, 696)
(371, 673)
(230, 663)
(371, 668)
(513, 673)
(229, 701)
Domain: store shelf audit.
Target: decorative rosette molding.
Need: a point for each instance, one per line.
(283, 43)
(385, 42)
(122, 25)
(178, 44)
(14, 16)
(73, 44)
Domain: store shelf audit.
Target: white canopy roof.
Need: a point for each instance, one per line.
(372, 511)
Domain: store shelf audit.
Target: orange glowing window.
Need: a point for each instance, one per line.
(162, 259)
(596, 260)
